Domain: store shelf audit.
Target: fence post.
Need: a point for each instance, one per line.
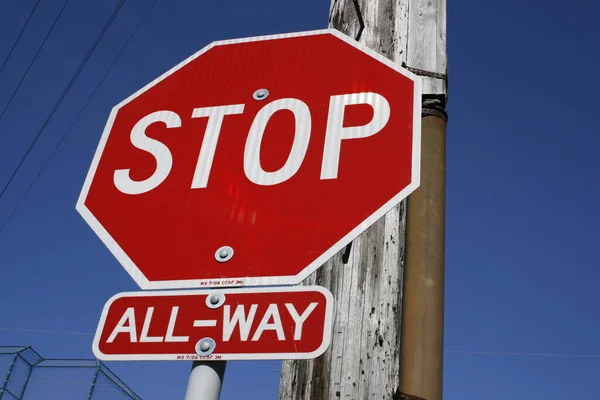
(94, 380)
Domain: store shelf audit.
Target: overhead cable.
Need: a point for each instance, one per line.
(37, 53)
(64, 136)
(486, 353)
(19, 37)
(62, 96)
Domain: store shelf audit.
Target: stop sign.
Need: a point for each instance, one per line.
(254, 161)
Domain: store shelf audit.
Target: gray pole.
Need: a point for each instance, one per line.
(206, 380)
(370, 283)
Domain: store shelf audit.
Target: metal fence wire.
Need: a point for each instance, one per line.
(29, 376)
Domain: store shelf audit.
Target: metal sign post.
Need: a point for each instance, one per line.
(206, 380)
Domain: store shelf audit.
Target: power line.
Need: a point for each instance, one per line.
(19, 37)
(499, 353)
(37, 53)
(70, 382)
(62, 139)
(63, 95)
(45, 331)
(488, 353)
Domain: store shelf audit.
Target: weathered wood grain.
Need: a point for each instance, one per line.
(363, 360)
(427, 41)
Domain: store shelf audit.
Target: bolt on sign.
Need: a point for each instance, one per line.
(253, 161)
(225, 324)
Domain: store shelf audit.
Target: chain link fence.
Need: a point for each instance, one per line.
(29, 376)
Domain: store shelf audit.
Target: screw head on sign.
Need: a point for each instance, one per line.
(224, 254)
(215, 300)
(205, 346)
(260, 94)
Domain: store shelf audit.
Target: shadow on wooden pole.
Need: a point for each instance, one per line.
(422, 335)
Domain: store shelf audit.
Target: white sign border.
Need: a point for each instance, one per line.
(327, 328)
(139, 277)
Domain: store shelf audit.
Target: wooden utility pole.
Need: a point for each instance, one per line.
(370, 356)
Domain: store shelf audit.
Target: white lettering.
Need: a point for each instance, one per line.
(171, 328)
(272, 313)
(129, 318)
(144, 338)
(336, 132)
(252, 166)
(161, 153)
(211, 137)
(239, 316)
(202, 323)
(299, 319)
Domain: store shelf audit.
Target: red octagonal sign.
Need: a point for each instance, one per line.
(254, 161)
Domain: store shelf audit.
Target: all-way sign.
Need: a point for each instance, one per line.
(227, 324)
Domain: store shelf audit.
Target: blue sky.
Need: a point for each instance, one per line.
(521, 267)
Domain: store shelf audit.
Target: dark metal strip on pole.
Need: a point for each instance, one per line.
(422, 335)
